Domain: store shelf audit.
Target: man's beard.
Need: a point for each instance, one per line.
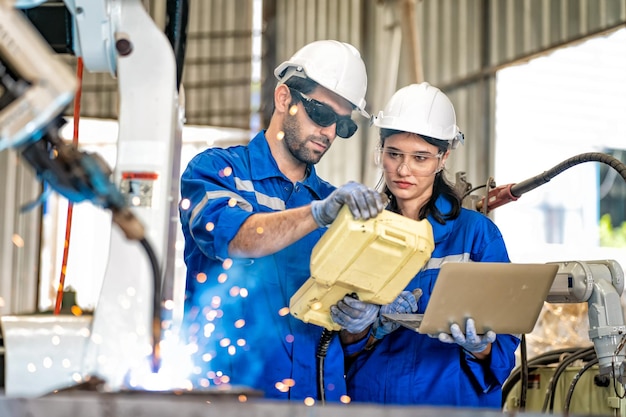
(297, 146)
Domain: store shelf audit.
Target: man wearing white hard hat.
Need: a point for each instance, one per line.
(251, 217)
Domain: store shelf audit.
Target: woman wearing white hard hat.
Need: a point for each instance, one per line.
(395, 365)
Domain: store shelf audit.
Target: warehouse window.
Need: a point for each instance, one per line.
(548, 110)
(91, 225)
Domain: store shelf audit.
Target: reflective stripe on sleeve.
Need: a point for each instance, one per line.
(435, 263)
(212, 195)
(274, 203)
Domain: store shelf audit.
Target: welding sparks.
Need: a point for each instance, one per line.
(209, 226)
(227, 264)
(201, 277)
(185, 203)
(293, 110)
(226, 172)
(280, 386)
(209, 328)
(175, 367)
(280, 135)
(47, 362)
(18, 241)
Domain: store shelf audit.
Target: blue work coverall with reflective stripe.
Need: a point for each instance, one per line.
(406, 367)
(236, 310)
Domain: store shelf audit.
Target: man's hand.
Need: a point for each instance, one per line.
(364, 203)
(354, 315)
(406, 302)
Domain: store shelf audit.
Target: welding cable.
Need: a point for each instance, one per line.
(614, 367)
(511, 192)
(570, 391)
(156, 305)
(584, 354)
(546, 358)
(322, 350)
(534, 182)
(70, 205)
(471, 190)
(176, 31)
(524, 374)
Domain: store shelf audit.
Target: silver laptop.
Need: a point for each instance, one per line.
(503, 297)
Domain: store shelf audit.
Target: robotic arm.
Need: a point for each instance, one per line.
(35, 90)
(504, 194)
(600, 284)
(118, 37)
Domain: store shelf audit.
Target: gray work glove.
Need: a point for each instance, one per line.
(364, 203)
(405, 303)
(353, 315)
(469, 341)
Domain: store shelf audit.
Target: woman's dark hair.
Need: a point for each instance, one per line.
(441, 186)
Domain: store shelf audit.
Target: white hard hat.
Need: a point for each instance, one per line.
(421, 109)
(334, 65)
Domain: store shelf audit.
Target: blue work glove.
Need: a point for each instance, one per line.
(406, 302)
(469, 341)
(364, 203)
(354, 315)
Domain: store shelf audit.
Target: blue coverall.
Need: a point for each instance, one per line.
(406, 367)
(236, 310)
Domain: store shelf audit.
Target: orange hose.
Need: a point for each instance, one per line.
(70, 205)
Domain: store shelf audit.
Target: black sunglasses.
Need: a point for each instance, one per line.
(324, 116)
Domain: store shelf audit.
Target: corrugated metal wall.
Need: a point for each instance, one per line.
(290, 24)
(218, 63)
(217, 79)
(464, 43)
(217, 70)
(19, 235)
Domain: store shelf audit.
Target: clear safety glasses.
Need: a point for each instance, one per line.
(420, 164)
(323, 115)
